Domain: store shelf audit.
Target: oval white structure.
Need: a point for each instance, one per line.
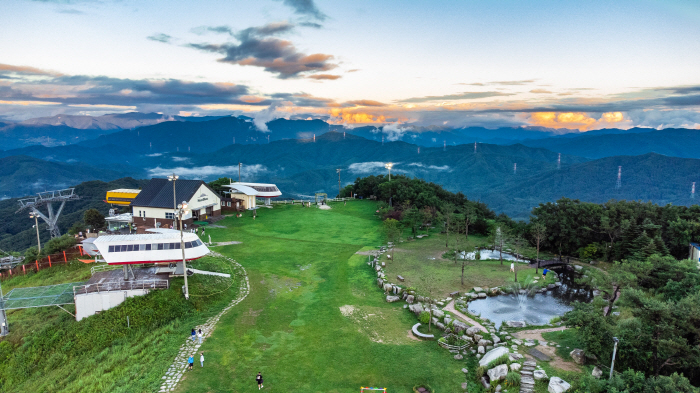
(161, 247)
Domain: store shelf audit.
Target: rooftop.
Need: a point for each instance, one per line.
(159, 193)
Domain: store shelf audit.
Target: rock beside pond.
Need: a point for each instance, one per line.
(459, 326)
(516, 324)
(439, 314)
(493, 355)
(478, 289)
(484, 343)
(447, 320)
(579, 356)
(498, 373)
(482, 295)
(471, 331)
(416, 308)
(558, 385)
(440, 325)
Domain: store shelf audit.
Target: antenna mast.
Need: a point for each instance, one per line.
(619, 177)
(515, 168)
(559, 161)
(692, 191)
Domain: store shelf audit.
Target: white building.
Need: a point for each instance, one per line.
(249, 192)
(154, 207)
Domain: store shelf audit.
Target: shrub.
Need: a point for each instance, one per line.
(480, 372)
(58, 244)
(555, 320)
(504, 359)
(31, 254)
(512, 379)
(424, 317)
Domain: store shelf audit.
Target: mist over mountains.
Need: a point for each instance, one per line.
(302, 156)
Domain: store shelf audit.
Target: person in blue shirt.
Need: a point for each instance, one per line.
(544, 273)
(190, 360)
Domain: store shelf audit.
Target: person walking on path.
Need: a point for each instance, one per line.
(190, 360)
(194, 334)
(199, 335)
(259, 380)
(201, 359)
(512, 267)
(544, 273)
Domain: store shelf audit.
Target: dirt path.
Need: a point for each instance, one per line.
(451, 308)
(536, 334)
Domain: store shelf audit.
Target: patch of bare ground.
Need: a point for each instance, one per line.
(536, 334)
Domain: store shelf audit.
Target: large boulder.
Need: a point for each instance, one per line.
(597, 373)
(439, 314)
(493, 355)
(482, 295)
(391, 299)
(478, 289)
(387, 287)
(498, 373)
(484, 343)
(416, 308)
(558, 385)
(496, 339)
(539, 374)
(459, 326)
(579, 356)
(515, 366)
(410, 299)
(472, 331)
(380, 283)
(447, 320)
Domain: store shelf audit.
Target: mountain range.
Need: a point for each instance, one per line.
(302, 156)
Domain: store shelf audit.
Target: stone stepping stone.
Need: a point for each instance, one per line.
(539, 355)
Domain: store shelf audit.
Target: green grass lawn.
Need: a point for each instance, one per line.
(314, 320)
(414, 259)
(567, 339)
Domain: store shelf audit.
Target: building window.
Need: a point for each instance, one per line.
(169, 216)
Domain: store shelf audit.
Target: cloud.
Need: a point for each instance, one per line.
(540, 91)
(261, 118)
(180, 159)
(394, 132)
(578, 120)
(160, 38)
(364, 103)
(209, 171)
(366, 167)
(26, 70)
(305, 8)
(444, 168)
(324, 77)
(513, 83)
(460, 96)
(258, 48)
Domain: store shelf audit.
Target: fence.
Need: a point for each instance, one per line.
(46, 262)
(290, 201)
(120, 286)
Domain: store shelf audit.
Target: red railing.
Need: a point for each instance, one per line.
(46, 262)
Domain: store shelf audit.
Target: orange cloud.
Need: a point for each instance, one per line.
(340, 116)
(27, 70)
(329, 77)
(575, 120)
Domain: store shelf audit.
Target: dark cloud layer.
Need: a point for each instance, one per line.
(460, 96)
(258, 47)
(305, 8)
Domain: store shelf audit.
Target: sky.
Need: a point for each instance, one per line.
(581, 65)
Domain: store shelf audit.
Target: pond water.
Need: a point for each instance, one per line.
(535, 310)
(490, 254)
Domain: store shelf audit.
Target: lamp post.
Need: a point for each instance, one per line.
(173, 178)
(239, 171)
(182, 209)
(388, 166)
(338, 170)
(35, 216)
(612, 365)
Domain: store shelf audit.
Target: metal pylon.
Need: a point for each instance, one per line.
(47, 199)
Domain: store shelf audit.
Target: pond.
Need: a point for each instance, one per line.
(535, 310)
(491, 254)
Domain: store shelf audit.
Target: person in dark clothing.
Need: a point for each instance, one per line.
(544, 273)
(259, 380)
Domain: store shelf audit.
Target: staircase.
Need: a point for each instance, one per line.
(527, 381)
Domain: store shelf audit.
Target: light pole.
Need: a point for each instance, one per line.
(388, 166)
(182, 209)
(338, 170)
(239, 171)
(612, 365)
(36, 224)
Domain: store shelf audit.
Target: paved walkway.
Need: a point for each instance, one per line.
(451, 308)
(179, 366)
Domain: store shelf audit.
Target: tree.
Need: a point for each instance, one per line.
(448, 216)
(469, 219)
(464, 261)
(430, 285)
(539, 231)
(412, 218)
(392, 230)
(459, 244)
(94, 219)
(427, 216)
(517, 244)
(499, 241)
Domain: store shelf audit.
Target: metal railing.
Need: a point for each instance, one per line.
(290, 201)
(120, 286)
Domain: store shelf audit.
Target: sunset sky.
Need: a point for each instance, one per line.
(559, 64)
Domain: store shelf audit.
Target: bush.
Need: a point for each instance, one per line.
(424, 317)
(59, 244)
(31, 254)
(512, 379)
(504, 359)
(555, 320)
(480, 372)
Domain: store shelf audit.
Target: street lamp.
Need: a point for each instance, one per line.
(35, 216)
(612, 365)
(182, 209)
(338, 170)
(239, 171)
(388, 166)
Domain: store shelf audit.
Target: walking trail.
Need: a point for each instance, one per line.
(177, 369)
(549, 350)
(451, 308)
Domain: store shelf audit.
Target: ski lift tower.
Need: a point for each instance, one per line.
(48, 198)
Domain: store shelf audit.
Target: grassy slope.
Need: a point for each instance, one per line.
(302, 269)
(414, 259)
(47, 350)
